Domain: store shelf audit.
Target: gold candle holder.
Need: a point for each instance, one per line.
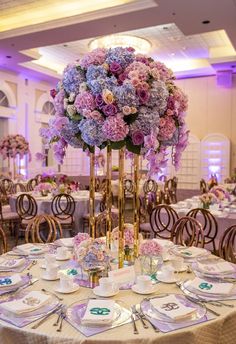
(92, 195)
(121, 208)
(108, 197)
(136, 205)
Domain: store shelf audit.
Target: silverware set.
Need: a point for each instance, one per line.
(137, 312)
(47, 316)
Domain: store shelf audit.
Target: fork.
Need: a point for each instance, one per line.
(50, 292)
(63, 316)
(135, 312)
(134, 324)
(143, 316)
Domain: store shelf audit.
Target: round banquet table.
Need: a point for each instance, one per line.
(221, 330)
(81, 205)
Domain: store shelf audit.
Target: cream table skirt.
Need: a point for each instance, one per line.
(221, 330)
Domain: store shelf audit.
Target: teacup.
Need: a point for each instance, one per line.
(167, 273)
(50, 259)
(65, 282)
(52, 270)
(62, 252)
(107, 284)
(143, 282)
(177, 263)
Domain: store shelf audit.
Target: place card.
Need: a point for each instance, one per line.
(123, 276)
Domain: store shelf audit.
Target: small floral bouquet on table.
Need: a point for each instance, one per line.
(208, 199)
(220, 193)
(48, 178)
(66, 185)
(44, 188)
(150, 257)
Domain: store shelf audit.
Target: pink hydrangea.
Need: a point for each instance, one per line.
(84, 101)
(95, 57)
(167, 128)
(115, 128)
(79, 238)
(150, 248)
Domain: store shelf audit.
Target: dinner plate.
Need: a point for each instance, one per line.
(76, 311)
(168, 280)
(151, 312)
(224, 274)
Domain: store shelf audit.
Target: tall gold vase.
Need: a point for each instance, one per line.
(121, 208)
(108, 196)
(136, 205)
(92, 195)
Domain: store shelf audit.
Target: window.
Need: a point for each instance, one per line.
(3, 99)
(48, 108)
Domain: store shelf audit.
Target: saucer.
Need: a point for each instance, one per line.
(48, 278)
(74, 288)
(97, 291)
(166, 280)
(43, 265)
(64, 258)
(150, 290)
(183, 269)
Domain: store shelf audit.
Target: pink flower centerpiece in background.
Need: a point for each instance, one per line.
(116, 97)
(150, 257)
(220, 193)
(150, 248)
(13, 145)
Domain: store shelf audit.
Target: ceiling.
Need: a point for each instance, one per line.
(41, 45)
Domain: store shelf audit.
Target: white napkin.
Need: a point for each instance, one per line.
(7, 264)
(210, 287)
(30, 302)
(191, 252)
(171, 307)
(30, 249)
(67, 242)
(8, 281)
(99, 312)
(216, 267)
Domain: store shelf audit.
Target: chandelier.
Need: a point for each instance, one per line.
(141, 45)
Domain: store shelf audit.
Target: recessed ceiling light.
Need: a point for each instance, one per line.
(165, 28)
(206, 22)
(65, 45)
(172, 54)
(8, 56)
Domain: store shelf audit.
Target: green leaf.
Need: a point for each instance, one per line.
(76, 117)
(103, 145)
(133, 148)
(118, 144)
(131, 118)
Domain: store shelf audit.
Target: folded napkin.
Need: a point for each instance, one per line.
(210, 287)
(30, 302)
(99, 312)
(171, 307)
(10, 263)
(191, 252)
(216, 267)
(67, 242)
(8, 281)
(30, 249)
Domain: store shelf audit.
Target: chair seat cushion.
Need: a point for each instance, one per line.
(10, 216)
(145, 227)
(6, 208)
(65, 221)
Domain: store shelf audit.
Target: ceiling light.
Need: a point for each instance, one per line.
(140, 45)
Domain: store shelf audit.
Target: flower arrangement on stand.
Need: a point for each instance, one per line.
(150, 257)
(12, 146)
(220, 193)
(117, 99)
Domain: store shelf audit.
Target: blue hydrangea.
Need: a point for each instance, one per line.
(159, 96)
(148, 119)
(95, 72)
(120, 55)
(98, 85)
(126, 95)
(72, 78)
(68, 132)
(91, 132)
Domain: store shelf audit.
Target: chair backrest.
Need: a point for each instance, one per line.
(162, 219)
(43, 229)
(97, 184)
(187, 231)
(171, 190)
(38, 177)
(31, 184)
(208, 222)
(63, 206)
(3, 241)
(101, 223)
(19, 187)
(6, 186)
(26, 206)
(150, 185)
(227, 245)
(128, 186)
(203, 186)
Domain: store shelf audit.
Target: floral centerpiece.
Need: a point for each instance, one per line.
(44, 188)
(220, 193)
(116, 97)
(212, 181)
(150, 257)
(13, 145)
(208, 199)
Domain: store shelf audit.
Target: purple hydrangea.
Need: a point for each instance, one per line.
(70, 134)
(91, 132)
(148, 118)
(122, 56)
(98, 85)
(126, 95)
(158, 96)
(73, 76)
(95, 72)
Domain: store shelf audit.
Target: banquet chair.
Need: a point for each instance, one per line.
(187, 231)
(97, 184)
(26, 208)
(150, 185)
(209, 225)
(31, 184)
(19, 187)
(38, 177)
(63, 208)
(101, 224)
(145, 209)
(3, 241)
(203, 186)
(6, 189)
(171, 189)
(43, 229)
(8, 218)
(162, 219)
(227, 245)
(128, 191)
